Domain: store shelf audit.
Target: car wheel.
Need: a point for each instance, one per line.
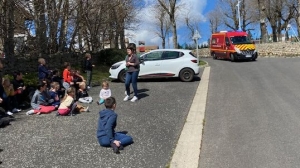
(122, 76)
(214, 56)
(254, 58)
(186, 75)
(232, 59)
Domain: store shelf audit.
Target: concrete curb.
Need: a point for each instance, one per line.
(187, 151)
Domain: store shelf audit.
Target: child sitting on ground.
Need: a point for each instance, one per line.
(82, 94)
(59, 79)
(39, 101)
(68, 102)
(107, 123)
(54, 94)
(11, 99)
(105, 93)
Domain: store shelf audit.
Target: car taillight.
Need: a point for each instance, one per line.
(194, 61)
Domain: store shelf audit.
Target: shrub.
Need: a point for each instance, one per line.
(110, 56)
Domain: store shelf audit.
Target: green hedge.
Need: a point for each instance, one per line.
(109, 56)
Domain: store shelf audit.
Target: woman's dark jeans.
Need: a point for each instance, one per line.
(131, 77)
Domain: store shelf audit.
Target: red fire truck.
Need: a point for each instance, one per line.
(233, 45)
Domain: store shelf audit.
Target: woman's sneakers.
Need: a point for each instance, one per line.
(132, 100)
(126, 98)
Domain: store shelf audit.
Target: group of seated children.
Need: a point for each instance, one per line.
(71, 88)
(45, 101)
(14, 93)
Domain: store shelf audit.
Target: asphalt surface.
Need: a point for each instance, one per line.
(252, 116)
(154, 122)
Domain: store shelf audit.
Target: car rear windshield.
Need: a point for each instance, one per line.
(192, 54)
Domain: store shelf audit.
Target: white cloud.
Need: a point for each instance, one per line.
(145, 31)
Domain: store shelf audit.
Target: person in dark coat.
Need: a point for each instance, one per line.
(88, 68)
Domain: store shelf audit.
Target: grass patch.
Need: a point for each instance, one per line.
(202, 63)
(99, 74)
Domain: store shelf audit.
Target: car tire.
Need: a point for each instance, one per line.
(122, 76)
(186, 75)
(254, 58)
(214, 56)
(232, 58)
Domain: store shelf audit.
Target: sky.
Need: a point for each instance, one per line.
(197, 9)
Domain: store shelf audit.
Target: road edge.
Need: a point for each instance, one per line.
(187, 151)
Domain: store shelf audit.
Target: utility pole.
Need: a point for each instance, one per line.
(196, 36)
(239, 15)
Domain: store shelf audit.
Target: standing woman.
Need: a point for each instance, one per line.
(133, 68)
(88, 68)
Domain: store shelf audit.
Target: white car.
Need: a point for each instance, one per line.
(161, 63)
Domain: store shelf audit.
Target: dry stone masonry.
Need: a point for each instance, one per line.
(279, 49)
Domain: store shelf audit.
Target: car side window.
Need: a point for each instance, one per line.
(153, 56)
(171, 55)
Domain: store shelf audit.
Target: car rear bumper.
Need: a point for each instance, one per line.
(113, 73)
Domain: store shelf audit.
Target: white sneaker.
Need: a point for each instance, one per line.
(29, 112)
(88, 87)
(10, 113)
(134, 99)
(126, 98)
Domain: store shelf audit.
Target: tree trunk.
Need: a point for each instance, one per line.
(8, 30)
(63, 27)
(262, 18)
(298, 19)
(174, 31)
(274, 33)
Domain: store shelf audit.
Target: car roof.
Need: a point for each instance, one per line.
(181, 50)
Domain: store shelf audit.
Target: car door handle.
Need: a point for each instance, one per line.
(157, 64)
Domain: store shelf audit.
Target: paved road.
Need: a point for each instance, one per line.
(155, 122)
(252, 115)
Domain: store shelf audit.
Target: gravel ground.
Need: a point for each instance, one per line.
(154, 122)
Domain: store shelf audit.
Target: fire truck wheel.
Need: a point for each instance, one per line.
(214, 56)
(232, 58)
(122, 76)
(186, 75)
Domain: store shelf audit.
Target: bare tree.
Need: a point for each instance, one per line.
(161, 23)
(262, 19)
(298, 17)
(279, 13)
(58, 24)
(170, 7)
(192, 24)
(230, 13)
(215, 20)
(7, 26)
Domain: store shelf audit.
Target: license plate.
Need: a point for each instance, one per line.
(248, 56)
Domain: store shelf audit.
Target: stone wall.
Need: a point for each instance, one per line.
(279, 49)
